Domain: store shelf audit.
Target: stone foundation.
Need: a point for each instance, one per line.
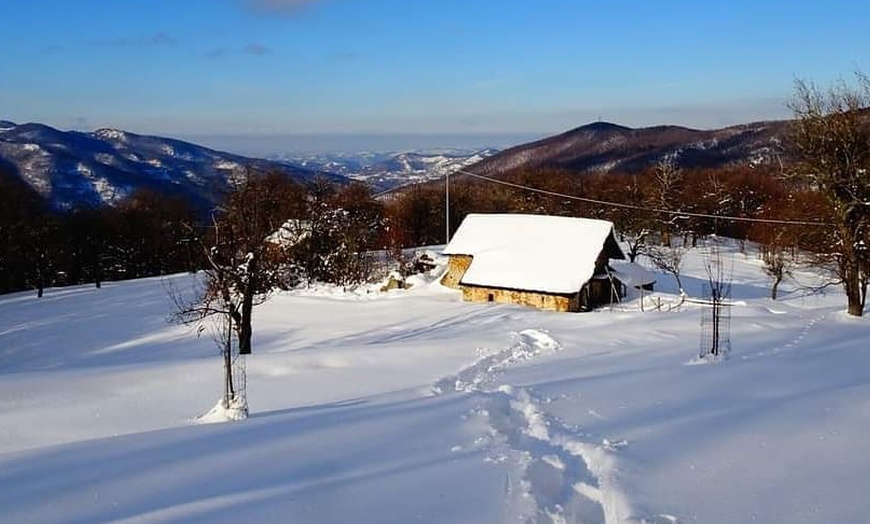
(543, 301)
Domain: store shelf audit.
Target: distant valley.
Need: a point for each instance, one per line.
(385, 170)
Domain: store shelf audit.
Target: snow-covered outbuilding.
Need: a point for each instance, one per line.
(633, 275)
(548, 262)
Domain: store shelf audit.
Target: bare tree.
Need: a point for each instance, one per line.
(346, 224)
(669, 258)
(666, 193)
(636, 242)
(777, 265)
(243, 264)
(831, 136)
(716, 317)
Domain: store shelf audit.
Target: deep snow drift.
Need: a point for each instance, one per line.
(412, 406)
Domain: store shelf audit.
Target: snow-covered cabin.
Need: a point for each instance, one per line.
(547, 262)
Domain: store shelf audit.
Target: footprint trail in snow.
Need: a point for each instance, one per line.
(480, 375)
(553, 475)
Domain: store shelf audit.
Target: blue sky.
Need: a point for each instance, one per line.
(428, 67)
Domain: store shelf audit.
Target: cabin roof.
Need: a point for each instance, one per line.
(633, 274)
(532, 252)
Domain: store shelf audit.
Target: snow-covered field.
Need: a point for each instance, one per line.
(416, 407)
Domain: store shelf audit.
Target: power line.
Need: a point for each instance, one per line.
(642, 208)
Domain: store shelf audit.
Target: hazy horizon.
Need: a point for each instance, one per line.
(296, 144)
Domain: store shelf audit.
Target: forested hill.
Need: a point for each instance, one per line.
(69, 168)
(606, 147)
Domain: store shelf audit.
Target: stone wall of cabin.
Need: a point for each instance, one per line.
(456, 268)
(543, 301)
(595, 293)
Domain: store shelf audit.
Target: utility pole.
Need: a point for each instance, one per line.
(447, 208)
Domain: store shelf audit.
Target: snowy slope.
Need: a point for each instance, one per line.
(71, 168)
(416, 407)
(385, 170)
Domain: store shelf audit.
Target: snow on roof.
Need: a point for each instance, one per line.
(291, 233)
(530, 252)
(633, 274)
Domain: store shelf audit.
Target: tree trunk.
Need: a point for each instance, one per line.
(633, 250)
(245, 328)
(775, 286)
(850, 269)
(852, 287)
(853, 296)
(229, 391)
(863, 295)
(40, 275)
(716, 305)
(98, 271)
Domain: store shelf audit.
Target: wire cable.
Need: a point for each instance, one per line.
(643, 208)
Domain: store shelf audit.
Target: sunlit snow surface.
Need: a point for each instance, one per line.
(416, 407)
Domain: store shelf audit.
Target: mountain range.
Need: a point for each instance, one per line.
(606, 147)
(68, 168)
(102, 167)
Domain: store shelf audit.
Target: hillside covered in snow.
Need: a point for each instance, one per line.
(386, 170)
(70, 168)
(413, 406)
